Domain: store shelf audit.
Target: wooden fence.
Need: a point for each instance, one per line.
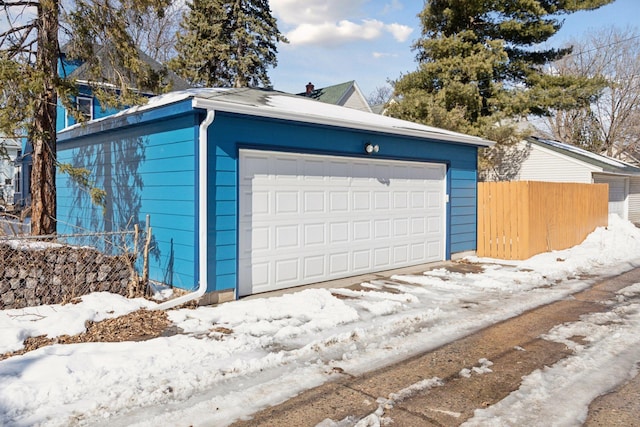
(519, 219)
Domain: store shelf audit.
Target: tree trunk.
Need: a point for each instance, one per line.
(43, 137)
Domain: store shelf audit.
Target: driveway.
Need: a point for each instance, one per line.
(475, 372)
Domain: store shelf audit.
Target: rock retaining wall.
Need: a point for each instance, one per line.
(41, 273)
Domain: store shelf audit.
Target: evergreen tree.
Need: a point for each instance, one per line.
(479, 66)
(30, 85)
(227, 43)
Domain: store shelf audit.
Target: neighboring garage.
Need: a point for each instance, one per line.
(548, 160)
(618, 191)
(251, 190)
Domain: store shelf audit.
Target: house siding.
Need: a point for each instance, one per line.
(618, 193)
(634, 200)
(150, 170)
(545, 165)
(229, 133)
(355, 101)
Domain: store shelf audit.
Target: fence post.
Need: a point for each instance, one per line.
(147, 245)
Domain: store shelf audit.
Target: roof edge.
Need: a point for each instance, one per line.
(328, 121)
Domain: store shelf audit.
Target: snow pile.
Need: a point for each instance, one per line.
(237, 358)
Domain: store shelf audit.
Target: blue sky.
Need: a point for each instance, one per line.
(369, 41)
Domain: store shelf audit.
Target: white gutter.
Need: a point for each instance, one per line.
(202, 219)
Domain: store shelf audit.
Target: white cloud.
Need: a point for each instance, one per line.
(400, 32)
(378, 55)
(329, 33)
(333, 22)
(297, 12)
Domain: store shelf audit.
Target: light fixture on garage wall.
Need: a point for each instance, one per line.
(370, 148)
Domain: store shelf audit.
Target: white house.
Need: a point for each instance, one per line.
(9, 149)
(548, 160)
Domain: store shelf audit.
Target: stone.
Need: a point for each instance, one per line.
(8, 298)
(103, 272)
(10, 272)
(31, 283)
(16, 283)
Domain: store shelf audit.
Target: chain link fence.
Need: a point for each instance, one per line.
(55, 269)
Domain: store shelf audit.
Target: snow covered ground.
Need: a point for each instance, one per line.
(239, 357)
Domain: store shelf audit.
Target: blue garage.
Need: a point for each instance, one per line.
(251, 190)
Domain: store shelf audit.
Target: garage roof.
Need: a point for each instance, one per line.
(284, 106)
(607, 164)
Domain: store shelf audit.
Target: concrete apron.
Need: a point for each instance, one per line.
(357, 280)
(454, 402)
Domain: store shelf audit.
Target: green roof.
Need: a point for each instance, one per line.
(330, 94)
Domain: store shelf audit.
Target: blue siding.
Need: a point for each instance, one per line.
(148, 164)
(230, 133)
(146, 170)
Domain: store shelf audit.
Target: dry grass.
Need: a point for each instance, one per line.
(139, 325)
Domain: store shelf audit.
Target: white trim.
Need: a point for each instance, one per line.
(202, 218)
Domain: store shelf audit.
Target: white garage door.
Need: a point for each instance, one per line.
(308, 218)
(617, 193)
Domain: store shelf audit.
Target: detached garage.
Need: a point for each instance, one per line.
(251, 190)
(548, 160)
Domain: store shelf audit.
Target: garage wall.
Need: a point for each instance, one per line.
(229, 133)
(634, 200)
(618, 193)
(148, 169)
(543, 164)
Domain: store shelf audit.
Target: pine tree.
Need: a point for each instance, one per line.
(227, 43)
(479, 66)
(30, 86)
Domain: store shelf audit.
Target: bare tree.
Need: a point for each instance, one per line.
(611, 125)
(156, 35)
(380, 95)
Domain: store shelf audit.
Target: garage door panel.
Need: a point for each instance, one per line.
(314, 201)
(314, 234)
(382, 229)
(400, 200)
(307, 218)
(362, 260)
(401, 254)
(314, 267)
(434, 249)
(339, 263)
(287, 271)
(418, 251)
(361, 201)
(382, 257)
(286, 202)
(338, 232)
(338, 201)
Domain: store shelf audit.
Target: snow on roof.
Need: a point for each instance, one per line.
(280, 105)
(578, 150)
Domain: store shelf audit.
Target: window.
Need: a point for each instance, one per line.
(85, 106)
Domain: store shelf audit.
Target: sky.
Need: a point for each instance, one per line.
(236, 358)
(369, 41)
